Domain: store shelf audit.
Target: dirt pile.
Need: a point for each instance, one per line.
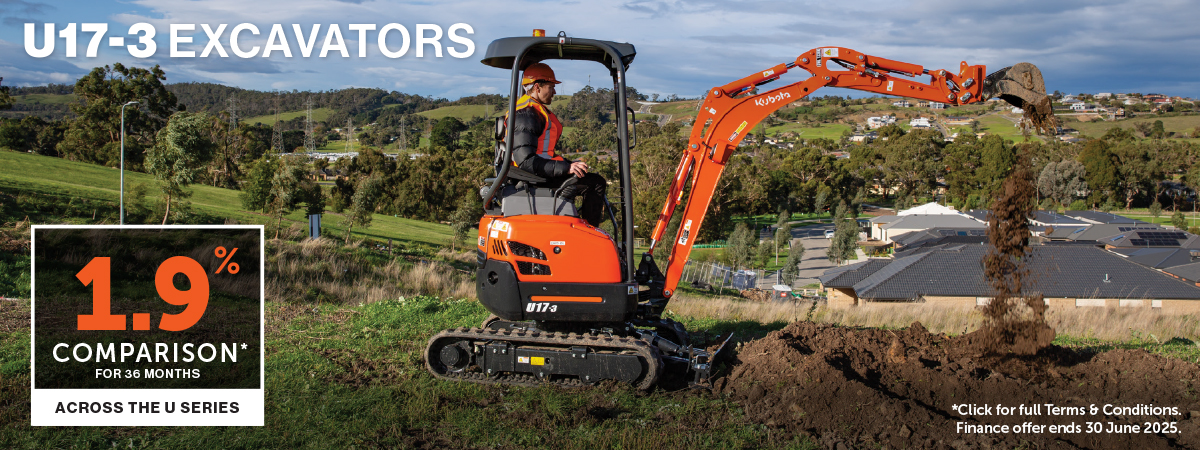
(869, 388)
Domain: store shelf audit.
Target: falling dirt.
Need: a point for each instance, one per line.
(869, 388)
(1015, 320)
(1040, 116)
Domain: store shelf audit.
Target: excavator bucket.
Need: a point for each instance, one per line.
(1021, 85)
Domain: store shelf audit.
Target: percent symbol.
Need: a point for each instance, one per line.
(233, 267)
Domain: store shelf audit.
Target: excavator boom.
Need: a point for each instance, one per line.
(730, 111)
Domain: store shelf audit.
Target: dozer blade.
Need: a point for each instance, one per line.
(1021, 85)
(704, 365)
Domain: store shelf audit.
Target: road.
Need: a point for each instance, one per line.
(814, 262)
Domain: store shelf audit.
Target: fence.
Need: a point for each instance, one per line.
(717, 276)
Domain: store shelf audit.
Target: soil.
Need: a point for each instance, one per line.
(870, 388)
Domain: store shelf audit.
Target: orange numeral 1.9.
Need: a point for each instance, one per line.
(97, 273)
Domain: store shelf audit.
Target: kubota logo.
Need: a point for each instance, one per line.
(772, 99)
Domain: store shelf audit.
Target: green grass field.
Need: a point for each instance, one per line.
(462, 112)
(319, 115)
(828, 131)
(52, 99)
(1002, 127)
(58, 177)
(1176, 124)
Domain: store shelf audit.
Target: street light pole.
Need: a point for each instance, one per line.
(123, 160)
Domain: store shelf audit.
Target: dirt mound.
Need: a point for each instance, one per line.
(869, 388)
(757, 295)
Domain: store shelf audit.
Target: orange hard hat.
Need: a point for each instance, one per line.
(539, 72)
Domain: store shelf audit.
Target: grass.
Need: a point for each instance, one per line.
(828, 131)
(1101, 324)
(1002, 127)
(319, 115)
(462, 112)
(352, 376)
(47, 176)
(53, 99)
(1176, 124)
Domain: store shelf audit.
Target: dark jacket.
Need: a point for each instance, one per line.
(527, 128)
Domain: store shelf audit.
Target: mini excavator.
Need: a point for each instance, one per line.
(570, 303)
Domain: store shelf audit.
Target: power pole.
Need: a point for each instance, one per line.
(310, 143)
(349, 134)
(277, 131)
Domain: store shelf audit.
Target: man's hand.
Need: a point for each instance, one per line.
(579, 168)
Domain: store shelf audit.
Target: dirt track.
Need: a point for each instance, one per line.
(868, 388)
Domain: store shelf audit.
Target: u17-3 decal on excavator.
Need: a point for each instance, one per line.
(687, 230)
(540, 307)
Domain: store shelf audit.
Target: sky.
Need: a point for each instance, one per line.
(683, 47)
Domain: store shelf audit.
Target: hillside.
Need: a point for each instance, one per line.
(50, 178)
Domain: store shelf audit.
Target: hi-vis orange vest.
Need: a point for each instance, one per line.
(549, 139)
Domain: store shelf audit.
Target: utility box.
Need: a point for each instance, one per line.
(314, 226)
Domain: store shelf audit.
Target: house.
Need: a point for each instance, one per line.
(1083, 107)
(1159, 257)
(1056, 220)
(1103, 95)
(927, 209)
(937, 105)
(885, 231)
(901, 104)
(920, 122)
(957, 121)
(1068, 277)
(878, 122)
(1096, 217)
(938, 236)
(1153, 238)
(1101, 231)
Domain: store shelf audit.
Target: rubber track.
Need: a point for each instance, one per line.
(561, 341)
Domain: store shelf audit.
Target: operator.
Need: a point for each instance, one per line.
(535, 140)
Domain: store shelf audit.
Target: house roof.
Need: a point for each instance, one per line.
(940, 243)
(848, 275)
(921, 222)
(1190, 272)
(1056, 271)
(928, 208)
(1101, 217)
(1051, 218)
(916, 237)
(1157, 257)
(981, 215)
(1101, 231)
(884, 218)
(1161, 237)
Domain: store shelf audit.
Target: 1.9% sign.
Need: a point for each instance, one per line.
(97, 274)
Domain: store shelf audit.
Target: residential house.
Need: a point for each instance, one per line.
(1154, 238)
(1068, 277)
(878, 122)
(886, 231)
(1102, 217)
(920, 122)
(937, 105)
(901, 104)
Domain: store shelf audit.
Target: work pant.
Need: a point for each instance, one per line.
(593, 188)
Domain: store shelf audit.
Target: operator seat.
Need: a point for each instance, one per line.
(526, 193)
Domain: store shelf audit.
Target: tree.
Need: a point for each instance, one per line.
(467, 214)
(6, 101)
(1178, 220)
(1100, 170)
(845, 236)
(446, 132)
(1063, 181)
(740, 246)
(95, 134)
(290, 186)
(795, 256)
(256, 188)
(1157, 131)
(363, 205)
(179, 155)
(783, 234)
(1155, 209)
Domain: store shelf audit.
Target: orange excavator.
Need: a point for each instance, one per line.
(570, 303)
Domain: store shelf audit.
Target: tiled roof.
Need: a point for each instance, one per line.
(1161, 238)
(1190, 272)
(846, 276)
(1157, 258)
(921, 222)
(1070, 271)
(1097, 232)
(1101, 217)
(1055, 219)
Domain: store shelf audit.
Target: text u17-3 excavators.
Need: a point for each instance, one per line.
(568, 305)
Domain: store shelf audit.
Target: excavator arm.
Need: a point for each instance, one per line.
(732, 110)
